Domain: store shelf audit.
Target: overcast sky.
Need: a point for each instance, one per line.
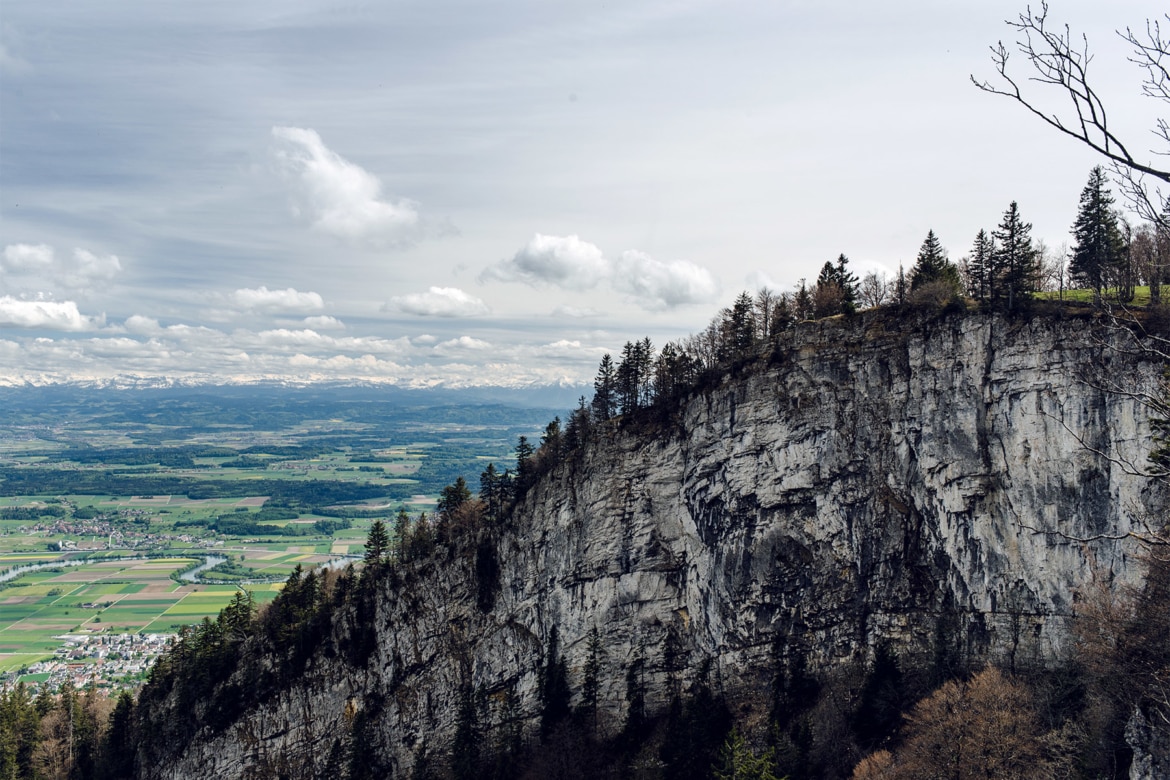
(488, 193)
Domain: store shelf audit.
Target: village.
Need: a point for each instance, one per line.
(108, 661)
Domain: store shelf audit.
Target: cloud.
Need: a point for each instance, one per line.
(83, 270)
(337, 196)
(576, 265)
(655, 285)
(140, 325)
(461, 344)
(575, 312)
(440, 302)
(324, 322)
(50, 315)
(88, 268)
(26, 257)
(563, 261)
(290, 300)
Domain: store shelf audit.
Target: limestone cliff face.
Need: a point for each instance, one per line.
(863, 485)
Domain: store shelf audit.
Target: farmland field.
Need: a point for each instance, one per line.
(122, 492)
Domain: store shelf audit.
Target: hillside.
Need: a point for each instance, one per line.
(940, 487)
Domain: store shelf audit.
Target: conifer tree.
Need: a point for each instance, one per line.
(524, 465)
(454, 496)
(377, 543)
(605, 390)
(739, 328)
(402, 531)
(1014, 261)
(1099, 244)
(580, 427)
(980, 266)
(932, 265)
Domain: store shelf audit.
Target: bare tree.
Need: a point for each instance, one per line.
(1060, 60)
(1053, 267)
(874, 290)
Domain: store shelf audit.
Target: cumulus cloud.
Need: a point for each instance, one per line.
(338, 197)
(440, 302)
(289, 300)
(575, 265)
(563, 261)
(51, 315)
(656, 285)
(324, 322)
(140, 325)
(461, 344)
(26, 257)
(80, 271)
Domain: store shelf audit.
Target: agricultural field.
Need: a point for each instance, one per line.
(122, 494)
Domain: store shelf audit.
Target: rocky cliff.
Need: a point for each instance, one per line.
(924, 484)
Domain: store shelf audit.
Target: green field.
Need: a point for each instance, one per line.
(268, 480)
(117, 597)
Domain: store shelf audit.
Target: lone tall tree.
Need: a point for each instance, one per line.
(1099, 249)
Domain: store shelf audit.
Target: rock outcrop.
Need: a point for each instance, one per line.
(949, 482)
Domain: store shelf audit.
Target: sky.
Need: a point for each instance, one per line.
(467, 193)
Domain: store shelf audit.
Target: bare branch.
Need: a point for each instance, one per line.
(1057, 61)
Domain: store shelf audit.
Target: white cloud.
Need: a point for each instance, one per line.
(463, 343)
(51, 315)
(26, 257)
(440, 302)
(576, 265)
(324, 322)
(655, 285)
(575, 312)
(83, 270)
(564, 261)
(289, 300)
(337, 196)
(88, 267)
(143, 326)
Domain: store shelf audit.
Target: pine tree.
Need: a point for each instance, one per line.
(402, 531)
(739, 328)
(1013, 275)
(932, 265)
(848, 282)
(524, 465)
(454, 496)
(605, 389)
(1099, 244)
(580, 428)
(980, 266)
(377, 543)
